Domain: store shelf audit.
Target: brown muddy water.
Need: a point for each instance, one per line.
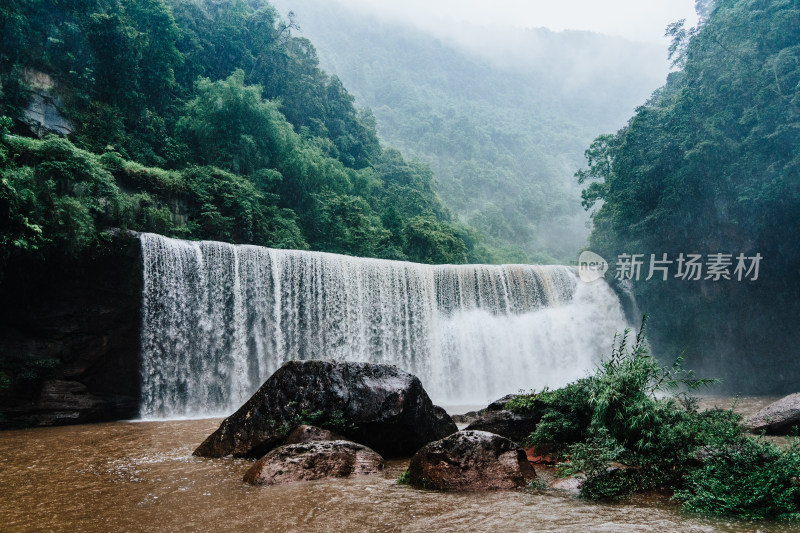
(141, 476)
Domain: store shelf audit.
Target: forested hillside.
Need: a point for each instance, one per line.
(502, 116)
(711, 164)
(206, 119)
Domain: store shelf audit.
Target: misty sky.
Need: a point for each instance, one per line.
(640, 20)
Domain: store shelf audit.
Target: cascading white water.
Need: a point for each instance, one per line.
(218, 319)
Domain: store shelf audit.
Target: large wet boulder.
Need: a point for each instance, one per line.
(470, 461)
(314, 460)
(778, 418)
(379, 406)
(514, 426)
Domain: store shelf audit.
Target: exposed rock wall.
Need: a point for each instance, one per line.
(43, 114)
(70, 337)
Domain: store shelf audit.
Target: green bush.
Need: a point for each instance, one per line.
(632, 427)
(566, 415)
(747, 477)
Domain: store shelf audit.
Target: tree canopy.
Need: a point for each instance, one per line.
(205, 119)
(711, 164)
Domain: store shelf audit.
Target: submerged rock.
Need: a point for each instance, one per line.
(470, 461)
(380, 406)
(508, 424)
(571, 484)
(314, 460)
(778, 417)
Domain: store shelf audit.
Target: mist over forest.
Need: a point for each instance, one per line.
(501, 114)
(704, 166)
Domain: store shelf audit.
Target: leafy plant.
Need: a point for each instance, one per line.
(623, 395)
(566, 415)
(404, 479)
(642, 431)
(525, 403)
(747, 477)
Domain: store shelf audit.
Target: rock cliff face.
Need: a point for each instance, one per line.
(69, 337)
(43, 114)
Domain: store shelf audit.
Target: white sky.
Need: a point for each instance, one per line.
(639, 20)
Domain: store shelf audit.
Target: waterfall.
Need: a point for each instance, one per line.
(218, 319)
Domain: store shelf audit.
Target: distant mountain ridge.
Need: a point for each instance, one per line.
(502, 118)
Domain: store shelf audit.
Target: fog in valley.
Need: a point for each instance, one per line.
(502, 113)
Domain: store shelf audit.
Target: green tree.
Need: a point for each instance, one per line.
(710, 165)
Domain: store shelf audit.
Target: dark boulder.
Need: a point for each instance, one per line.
(314, 460)
(472, 416)
(466, 418)
(500, 404)
(778, 418)
(470, 461)
(514, 426)
(379, 406)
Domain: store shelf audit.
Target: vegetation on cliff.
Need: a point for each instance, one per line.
(197, 120)
(200, 120)
(711, 164)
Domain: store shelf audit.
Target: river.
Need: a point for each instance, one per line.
(141, 476)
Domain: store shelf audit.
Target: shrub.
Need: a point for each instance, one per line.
(639, 433)
(566, 415)
(747, 477)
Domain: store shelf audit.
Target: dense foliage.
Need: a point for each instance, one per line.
(563, 415)
(711, 164)
(503, 140)
(198, 120)
(626, 428)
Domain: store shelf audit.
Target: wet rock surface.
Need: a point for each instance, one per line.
(306, 433)
(500, 403)
(70, 333)
(466, 418)
(778, 418)
(379, 406)
(508, 424)
(470, 461)
(309, 461)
